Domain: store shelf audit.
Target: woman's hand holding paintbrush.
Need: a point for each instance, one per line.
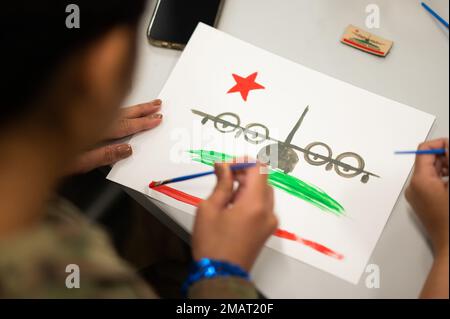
(233, 224)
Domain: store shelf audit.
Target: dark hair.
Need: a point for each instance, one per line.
(35, 41)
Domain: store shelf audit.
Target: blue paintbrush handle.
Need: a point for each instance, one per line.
(440, 151)
(234, 168)
(187, 177)
(238, 167)
(434, 14)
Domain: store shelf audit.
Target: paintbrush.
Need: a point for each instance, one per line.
(234, 168)
(438, 151)
(434, 14)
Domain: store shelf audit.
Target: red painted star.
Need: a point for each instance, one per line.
(245, 85)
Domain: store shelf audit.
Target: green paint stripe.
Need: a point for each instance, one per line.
(290, 184)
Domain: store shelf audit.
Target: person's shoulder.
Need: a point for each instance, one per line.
(65, 256)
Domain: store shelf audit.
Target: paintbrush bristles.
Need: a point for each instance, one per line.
(159, 183)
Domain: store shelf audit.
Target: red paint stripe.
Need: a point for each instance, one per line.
(176, 194)
(285, 234)
(363, 47)
(195, 201)
(311, 244)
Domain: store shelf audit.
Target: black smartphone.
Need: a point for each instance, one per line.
(174, 21)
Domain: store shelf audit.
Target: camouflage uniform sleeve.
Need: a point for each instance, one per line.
(33, 264)
(223, 288)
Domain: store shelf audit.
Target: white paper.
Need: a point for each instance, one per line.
(346, 118)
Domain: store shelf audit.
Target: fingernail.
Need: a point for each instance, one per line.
(157, 102)
(124, 151)
(157, 116)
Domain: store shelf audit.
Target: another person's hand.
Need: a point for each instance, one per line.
(233, 225)
(133, 120)
(428, 196)
(428, 193)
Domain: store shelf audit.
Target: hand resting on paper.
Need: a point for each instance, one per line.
(428, 196)
(132, 120)
(233, 225)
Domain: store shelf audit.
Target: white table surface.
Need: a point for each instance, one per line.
(308, 32)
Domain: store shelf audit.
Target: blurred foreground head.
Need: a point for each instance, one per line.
(67, 81)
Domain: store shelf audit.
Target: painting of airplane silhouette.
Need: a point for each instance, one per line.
(283, 155)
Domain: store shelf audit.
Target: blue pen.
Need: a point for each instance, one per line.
(434, 14)
(234, 168)
(439, 151)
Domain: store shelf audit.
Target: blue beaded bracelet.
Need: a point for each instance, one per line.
(208, 268)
